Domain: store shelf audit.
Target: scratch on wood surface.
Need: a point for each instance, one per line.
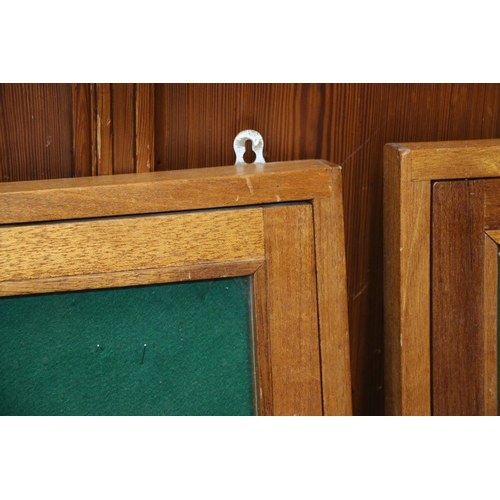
(364, 144)
(98, 136)
(360, 292)
(249, 184)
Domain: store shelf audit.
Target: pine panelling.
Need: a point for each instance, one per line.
(84, 146)
(125, 128)
(466, 111)
(123, 119)
(35, 131)
(348, 124)
(491, 118)
(104, 130)
(360, 123)
(144, 127)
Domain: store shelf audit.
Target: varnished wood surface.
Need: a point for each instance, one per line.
(262, 342)
(407, 219)
(164, 191)
(347, 124)
(455, 159)
(492, 204)
(84, 130)
(457, 298)
(123, 123)
(131, 278)
(332, 307)
(299, 371)
(463, 293)
(493, 234)
(36, 138)
(110, 245)
(292, 310)
(104, 126)
(144, 127)
(125, 128)
(490, 308)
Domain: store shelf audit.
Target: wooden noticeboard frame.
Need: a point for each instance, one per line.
(281, 224)
(441, 221)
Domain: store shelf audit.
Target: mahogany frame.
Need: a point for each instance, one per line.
(280, 223)
(440, 273)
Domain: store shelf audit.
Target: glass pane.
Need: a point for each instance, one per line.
(168, 349)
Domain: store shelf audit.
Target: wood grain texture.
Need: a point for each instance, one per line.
(123, 117)
(262, 343)
(407, 219)
(104, 130)
(84, 160)
(455, 159)
(111, 245)
(144, 126)
(493, 234)
(130, 278)
(457, 298)
(292, 311)
(492, 204)
(163, 191)
(36, 131)
(347, 124)
(332, 303)
(490, 311)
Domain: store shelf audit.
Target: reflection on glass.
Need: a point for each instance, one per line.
(168, 349)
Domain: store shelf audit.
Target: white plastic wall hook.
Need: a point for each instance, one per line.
(257, 146)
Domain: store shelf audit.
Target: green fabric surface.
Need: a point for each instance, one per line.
(196, 360)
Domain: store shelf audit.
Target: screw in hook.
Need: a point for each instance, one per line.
(143, 353)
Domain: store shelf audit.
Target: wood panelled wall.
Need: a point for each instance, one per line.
(64, 130)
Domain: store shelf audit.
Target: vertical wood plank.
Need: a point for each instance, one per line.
(262, 343)
(36, 122)
(84, 163)
(93, 126)
(490, 117)
(347, 124)
(457, 298)
(144, 137)
(332, 301)
(123, 118)
(292, 310)
(104, 130)
(466, 111)
(407, 220)
(490, 326)
(361, 117)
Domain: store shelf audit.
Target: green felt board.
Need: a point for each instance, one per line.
(197, 360)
